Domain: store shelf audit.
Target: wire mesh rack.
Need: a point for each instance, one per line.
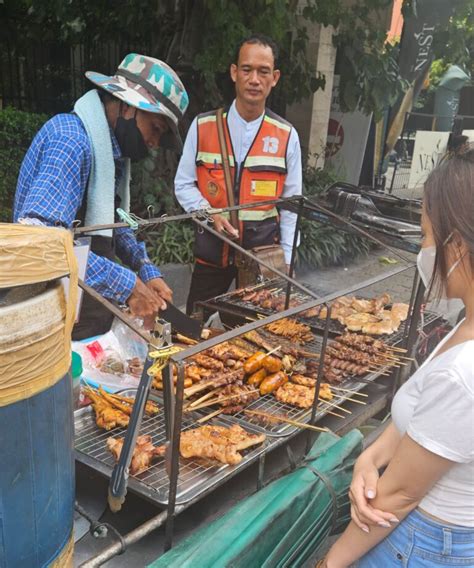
(195, 475)
(278, 287)
(270, 405)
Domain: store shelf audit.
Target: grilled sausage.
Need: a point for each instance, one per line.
(254, 363)
(272, 364)
(273, 382)
(257, 377)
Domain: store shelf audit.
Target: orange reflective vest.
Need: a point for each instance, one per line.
(261, 177)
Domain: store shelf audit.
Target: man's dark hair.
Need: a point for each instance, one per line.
(259, 39)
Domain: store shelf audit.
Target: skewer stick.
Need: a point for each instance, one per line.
(378, 371)
(218, 400)
(273, 350)
(197, 388)
(335, 414)
(332, 405)
(204, 397)
(209, 416)
(349, 390)
(356, 401)
(277, 418)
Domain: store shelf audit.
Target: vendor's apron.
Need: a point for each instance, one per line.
(94, 319)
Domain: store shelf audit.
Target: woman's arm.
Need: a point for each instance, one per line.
(365, 479)
(409, 476)
(383, 449)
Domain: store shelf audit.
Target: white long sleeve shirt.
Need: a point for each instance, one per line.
(242, 134)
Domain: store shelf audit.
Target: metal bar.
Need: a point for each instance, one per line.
(116, 311)
(168, 400)
(261, 471)
(183, 216)
(367, 235)
(195, 349)
(409, 343)
(130, 538)
(398, 372)
(319, 379)
(175, 440)
(254, 258)
(293, 253)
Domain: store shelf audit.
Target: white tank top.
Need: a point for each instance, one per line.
(435, 407)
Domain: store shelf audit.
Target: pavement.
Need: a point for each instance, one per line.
(92, 488)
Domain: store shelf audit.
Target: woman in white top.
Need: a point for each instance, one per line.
(420, 512)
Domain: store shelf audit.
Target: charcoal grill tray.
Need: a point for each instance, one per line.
(195, 476)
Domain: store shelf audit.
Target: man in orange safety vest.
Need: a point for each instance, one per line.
(265, 162)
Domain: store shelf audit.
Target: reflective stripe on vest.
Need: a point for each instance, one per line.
(253, 214)
(277, 123)
(212, 159)
(264, 161)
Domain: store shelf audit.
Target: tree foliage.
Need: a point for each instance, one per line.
(198, 38)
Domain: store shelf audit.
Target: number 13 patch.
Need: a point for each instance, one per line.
(270, 144)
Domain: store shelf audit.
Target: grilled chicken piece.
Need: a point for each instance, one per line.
(296, 395)
(217, 442)
(208, 362)
(106, 416)
(143, 454)
(291, 329)
(192, 372)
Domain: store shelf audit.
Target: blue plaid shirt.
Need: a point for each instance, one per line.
(51, 187)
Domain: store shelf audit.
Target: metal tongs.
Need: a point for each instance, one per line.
(160, 349)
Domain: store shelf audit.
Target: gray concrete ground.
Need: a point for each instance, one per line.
(92, 488)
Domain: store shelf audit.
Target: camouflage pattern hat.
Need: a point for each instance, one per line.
(149, 85)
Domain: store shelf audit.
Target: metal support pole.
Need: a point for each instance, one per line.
(261, 471)
(293, 252)
(174, 473)
(410, 341)
(319, 379)
(131, 538)
(116, 311)
(168, 399)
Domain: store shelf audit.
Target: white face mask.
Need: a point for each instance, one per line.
(425, 262)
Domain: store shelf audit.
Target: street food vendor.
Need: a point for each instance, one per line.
(78, 168)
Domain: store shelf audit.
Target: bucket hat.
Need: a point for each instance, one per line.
(149, 85)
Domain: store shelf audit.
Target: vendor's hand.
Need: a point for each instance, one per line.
(159, 286)
(144, 302)
(223, 225)
(362, 491)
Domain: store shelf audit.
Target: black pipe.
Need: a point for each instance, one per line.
(175, 440)
(293, 253)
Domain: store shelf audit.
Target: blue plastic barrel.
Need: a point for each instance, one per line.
(36, 449)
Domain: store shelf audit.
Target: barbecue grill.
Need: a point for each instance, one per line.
(179, 483)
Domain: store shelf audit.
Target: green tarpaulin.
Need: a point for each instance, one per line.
(284, 523)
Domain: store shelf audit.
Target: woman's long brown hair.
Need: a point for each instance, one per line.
(449, 204)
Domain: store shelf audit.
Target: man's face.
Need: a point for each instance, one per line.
(152, 126)
(254, 75)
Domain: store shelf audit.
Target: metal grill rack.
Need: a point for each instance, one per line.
(270, 405)
(189, 480)
(252, 311)
(195, 475)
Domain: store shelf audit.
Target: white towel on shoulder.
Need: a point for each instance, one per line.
(101, 187)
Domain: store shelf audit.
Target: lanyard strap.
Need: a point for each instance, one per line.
(234, 217)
